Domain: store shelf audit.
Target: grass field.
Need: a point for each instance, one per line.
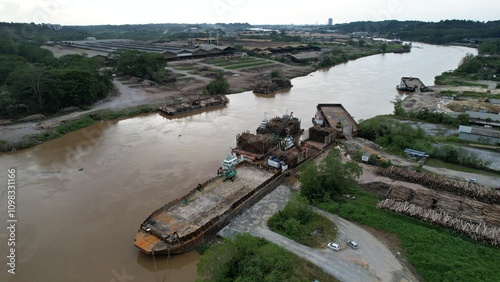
(241, 63)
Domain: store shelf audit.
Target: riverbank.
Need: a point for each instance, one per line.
(131, 97)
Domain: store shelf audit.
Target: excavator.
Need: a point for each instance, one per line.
(228, 173)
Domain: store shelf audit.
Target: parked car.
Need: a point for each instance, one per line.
(353, 244)
(334, 246)
(472, 180)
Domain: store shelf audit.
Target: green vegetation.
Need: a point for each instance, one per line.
(249, 65)
(217, 86)
(247, 258)
(396, 136)
(298, 222)
(393, 135)
(240, 63)
(33, 81)
(442, 32)
(436, 253)
(141, 64)
(329, 179)
(485, 66)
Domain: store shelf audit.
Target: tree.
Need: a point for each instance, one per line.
(276, 73)
(384, 47)
(247, 258)
(398, 108)
(29, 85)
(217, 86)
(141, 64)
(328, 179)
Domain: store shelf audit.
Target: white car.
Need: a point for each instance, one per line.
(471, 180)
(353, 244)
(334, 246)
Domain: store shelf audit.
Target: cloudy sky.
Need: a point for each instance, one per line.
(95, 12)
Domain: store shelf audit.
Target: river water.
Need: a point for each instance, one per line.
(81, 198)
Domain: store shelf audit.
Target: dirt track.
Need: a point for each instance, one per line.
(372, 261)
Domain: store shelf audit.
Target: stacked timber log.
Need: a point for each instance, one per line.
(465, 208)
(291, 157)
(457, 206)
(437, 182)
(255, 143)
(324, 135)
(478, 231)
(283, 126)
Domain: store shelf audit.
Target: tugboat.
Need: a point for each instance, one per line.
(287, 143)
(261, 129)
(227, 169)
(318, 119)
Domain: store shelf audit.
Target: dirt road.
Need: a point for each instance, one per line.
(372, 261)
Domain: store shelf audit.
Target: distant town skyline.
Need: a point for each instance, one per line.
(255, 12)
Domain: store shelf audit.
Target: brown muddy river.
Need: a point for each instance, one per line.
(81, 198)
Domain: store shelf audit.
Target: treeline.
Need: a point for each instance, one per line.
(16, 33)
(442, 32)
(29, 88)
(33, 81)
(484, 66)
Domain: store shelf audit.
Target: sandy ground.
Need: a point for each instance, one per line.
(435, 101)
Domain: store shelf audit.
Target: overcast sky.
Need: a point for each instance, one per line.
(95, 12)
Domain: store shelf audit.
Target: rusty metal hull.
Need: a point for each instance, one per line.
(182, 225)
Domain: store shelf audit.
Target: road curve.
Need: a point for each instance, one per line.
(372, 261)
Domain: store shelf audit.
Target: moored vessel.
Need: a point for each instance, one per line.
(182, 225)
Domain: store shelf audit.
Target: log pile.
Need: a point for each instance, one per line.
(273, 85)
(283, 126)
(291, 157)
(437, 182)
(478, 231)
(320, 134)
(461, 207)
(255, 143)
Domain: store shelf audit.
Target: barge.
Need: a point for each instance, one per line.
(337, 117)
(182, 225)
(411, 84)
(199, 104)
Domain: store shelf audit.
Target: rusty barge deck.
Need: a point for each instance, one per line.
(336, 116)
(183, 224)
